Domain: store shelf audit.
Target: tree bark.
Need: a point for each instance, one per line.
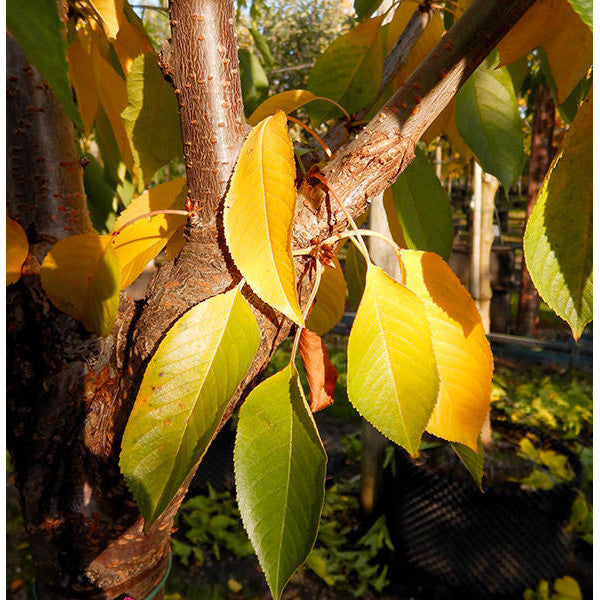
(69, 393)
(542, 133)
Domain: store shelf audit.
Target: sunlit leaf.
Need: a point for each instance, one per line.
(151, 117)
(488, 119)
(355, 272)
(348, 71)
(330, 302)
(81, 276)
(463, 356)
(81, 72)
(320, 372)
(185, 390)
(258, 215)
(565, 37)
(17, 249)
(141, 241)
(286, 101)
(174, 245)
(392, 375)
(558, 242)
(422, 208)
(111, 14)
(424, 44)
(280, 475)
(131, 40)
(37, 29)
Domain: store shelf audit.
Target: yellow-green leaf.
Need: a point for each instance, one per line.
(392, 375)
(355, 271)
(279, 475)
(330, 302)
(81, 73)
(185, 390)
(17, 249)
(558, 241)
(349, 71)
(141, 241)
(258, 215)
(81, 276)
(463, 356)
(111, 14)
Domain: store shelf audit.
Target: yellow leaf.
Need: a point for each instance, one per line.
(286, 101)
(439, 125)
(112, 90)
(455, 139)
(566, 588)
(81, 276)
(141, 241)
(81, 72)
(17, 249)
(426, 42)
(566, 39)
(330, 302)
(111, 15)
(463, 355)
(174, 245)
(258, 215)
(131, 42)
(392, 376)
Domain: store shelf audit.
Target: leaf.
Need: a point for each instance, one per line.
(558, 244)
(37, 28)
(365, 8)
(567, 588)
(423, 208)
(101, 198)
(330, 301)
(141, 241)
(258, 215)
(286, 101)
(355, 271)
(424, 45)
(349, 71)
(131, 40)
(488, 119)
(263, 47)
(151, 117)
(280, 475)
(392, 375)
(81, 276)
(111, 14)
(463, 356)
(112, 90)
(320, 372)
(473, 461)
(17, 249)
(255, 83)
(559, 30)
(185, 390)
(175, 244)
(584, 9)
(456, 142)
(81, 72)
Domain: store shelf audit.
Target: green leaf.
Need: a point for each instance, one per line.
(255, 84)
(185, 390)
(558, 243)
(423, 208)
(349, 71)
(355, 271)
(392, 373)
(584, 9)
(37, 29)
(151, 117)
(280, 475)
(473, 461)
(101, 197)
(263, 47)
(488, 119)
(365, 8)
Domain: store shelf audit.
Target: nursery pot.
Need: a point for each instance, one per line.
(479, 545)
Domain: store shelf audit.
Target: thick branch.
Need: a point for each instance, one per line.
(375, 158)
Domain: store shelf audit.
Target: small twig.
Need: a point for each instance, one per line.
(164, 211)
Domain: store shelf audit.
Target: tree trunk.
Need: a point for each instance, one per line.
(542, 133)
(69, 393)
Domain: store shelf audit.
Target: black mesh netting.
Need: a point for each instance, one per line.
(487, 545)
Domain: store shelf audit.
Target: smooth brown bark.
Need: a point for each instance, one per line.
(70, 393)
(542, 133)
